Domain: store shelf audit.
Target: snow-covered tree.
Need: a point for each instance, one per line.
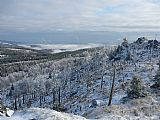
(136, 89)
(157, 79)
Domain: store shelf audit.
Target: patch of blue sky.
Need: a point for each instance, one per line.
(155, 1)
(113, 9)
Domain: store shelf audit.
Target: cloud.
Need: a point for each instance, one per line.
(71, 15)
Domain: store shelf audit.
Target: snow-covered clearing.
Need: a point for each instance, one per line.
(56, 48)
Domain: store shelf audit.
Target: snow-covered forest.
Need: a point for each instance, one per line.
(104, 83)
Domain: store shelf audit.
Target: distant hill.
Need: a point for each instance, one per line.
(9, 42)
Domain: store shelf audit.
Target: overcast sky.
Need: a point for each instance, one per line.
(70, 15)
(59, 21)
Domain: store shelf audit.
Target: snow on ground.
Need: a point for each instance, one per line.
(143, 109)
(147, 108)
(137, 109)
(14, 49)
(2, 55)
(61, 47)
(41, 114)
(102, 99)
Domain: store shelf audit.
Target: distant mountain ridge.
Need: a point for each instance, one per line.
(9, 42)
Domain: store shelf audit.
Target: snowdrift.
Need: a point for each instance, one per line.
(41, 114)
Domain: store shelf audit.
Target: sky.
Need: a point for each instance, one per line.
(20, 18)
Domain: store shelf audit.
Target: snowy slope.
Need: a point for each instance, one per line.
(41, 114)
(84, 86)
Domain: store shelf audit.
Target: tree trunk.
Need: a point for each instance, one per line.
(102, 82)
(53, 92)
(59, 95)
(112, 88)
(34, 95)
(40, 100)
(15, 103)
(19, 101)
(23, 99)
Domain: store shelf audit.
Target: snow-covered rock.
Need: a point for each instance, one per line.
(6, 112)
(9, 112)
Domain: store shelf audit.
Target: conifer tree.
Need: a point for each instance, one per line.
(136, 88)
(157, 79)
